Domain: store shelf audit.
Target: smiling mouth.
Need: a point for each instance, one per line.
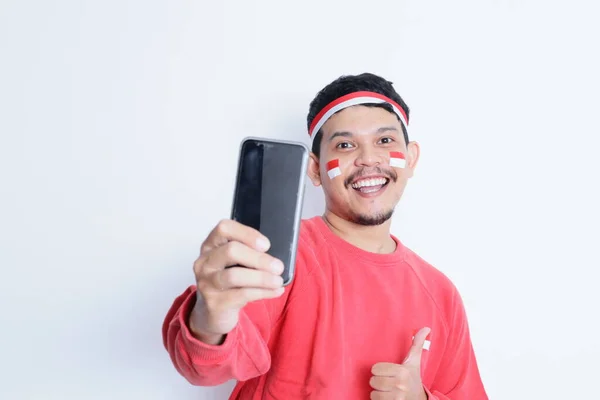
(370, 185)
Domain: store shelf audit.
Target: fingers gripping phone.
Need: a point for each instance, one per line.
(269, 193)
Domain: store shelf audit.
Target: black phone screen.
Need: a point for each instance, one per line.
(269, 193)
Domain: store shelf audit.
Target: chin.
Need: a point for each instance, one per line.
(371, 219)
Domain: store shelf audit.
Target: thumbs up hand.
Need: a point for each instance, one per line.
(401, 381)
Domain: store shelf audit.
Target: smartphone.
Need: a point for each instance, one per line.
(269, 193)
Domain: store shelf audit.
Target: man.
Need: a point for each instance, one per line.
(365, 317)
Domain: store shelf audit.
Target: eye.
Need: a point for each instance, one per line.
(386, 140)
(343, 145)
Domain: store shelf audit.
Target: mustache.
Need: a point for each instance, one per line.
(390, 174)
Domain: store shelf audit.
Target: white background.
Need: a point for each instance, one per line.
(120, 123)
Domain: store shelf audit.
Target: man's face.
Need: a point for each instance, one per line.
(367, 188)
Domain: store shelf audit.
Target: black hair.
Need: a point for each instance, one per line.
(349, 84)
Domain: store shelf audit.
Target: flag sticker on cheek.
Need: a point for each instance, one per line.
(333, 168)
(397, 159)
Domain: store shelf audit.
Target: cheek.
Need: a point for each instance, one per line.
(336, 169)
(397, 160)
(335, 174)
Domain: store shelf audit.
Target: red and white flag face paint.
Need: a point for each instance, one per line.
(333, 168)
(397, 159)
(427, 342)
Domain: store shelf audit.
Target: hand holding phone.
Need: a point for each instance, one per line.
(221, 291)
(251, 256)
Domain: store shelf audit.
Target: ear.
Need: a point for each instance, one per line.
(314, 172)
(414, 151)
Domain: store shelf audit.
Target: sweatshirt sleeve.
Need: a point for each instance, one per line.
(243, 355)
(245, 352)
(459, 377)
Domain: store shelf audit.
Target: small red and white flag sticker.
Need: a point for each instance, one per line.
(427, 342)
(397, 159)
(333, 168)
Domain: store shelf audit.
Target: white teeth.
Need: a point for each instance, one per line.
(369, 182)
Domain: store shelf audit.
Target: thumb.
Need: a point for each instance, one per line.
(414, 354)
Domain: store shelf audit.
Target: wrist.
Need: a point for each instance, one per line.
(195, 328)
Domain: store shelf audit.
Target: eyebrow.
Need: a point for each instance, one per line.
(340, 134)
(387, 129)
(379, 131)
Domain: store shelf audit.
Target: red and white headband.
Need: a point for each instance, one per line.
(349, 100)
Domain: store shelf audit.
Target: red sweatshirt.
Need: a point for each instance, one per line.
(346, 310)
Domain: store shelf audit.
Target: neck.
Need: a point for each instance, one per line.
(374, 239)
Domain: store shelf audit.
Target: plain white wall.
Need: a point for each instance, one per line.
(120, 123)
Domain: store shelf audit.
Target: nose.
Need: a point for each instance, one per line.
(369, 157)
